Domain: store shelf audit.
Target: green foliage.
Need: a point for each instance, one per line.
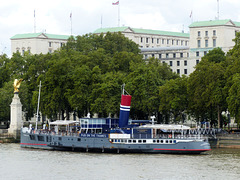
(6, 95)
(143, 84)
(87, 73)
(233, 99)
(174, 97)
(206, 87)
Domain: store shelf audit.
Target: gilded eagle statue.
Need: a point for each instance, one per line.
(16, 85)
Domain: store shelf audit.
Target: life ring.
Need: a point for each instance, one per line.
(170, 136)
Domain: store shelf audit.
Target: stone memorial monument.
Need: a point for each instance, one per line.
(16, 111)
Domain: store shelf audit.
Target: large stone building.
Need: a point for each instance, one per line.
(207, 35)
(181, 51)
(36, 43)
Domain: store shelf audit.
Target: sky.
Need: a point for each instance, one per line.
(53, 16)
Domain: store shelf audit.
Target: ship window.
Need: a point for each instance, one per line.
(166, 141)
(139, 141)
(32, 137)
(60, 138)
(175, 141)
(40, 138)
(144, 141)
(161, 141)
(170, 141)
(157, 141)
(134, 141)
(154, 140)
(129, 141)
(118, 140)
(79, 139)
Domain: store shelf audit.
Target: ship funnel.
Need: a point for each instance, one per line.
(124, 110)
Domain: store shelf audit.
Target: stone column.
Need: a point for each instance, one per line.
(16, 116)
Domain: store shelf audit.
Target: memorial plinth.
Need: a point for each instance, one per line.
(16, 116)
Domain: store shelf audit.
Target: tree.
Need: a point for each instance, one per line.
(233, 99)
(207, 92)
(143, 84)
(174, 98)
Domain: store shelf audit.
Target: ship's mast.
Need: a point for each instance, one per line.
(38, 105)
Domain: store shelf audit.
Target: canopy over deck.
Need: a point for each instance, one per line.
(165, 126)
(63, 122)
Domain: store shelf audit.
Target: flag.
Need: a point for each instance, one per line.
(116, 3)
(70, 15)
(190, 14)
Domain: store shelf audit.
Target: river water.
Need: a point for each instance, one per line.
(22, 163)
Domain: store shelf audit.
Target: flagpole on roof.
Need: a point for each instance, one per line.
(71, 21)
(118, 4)
(34, 21)
(218, 9)
(118, 14)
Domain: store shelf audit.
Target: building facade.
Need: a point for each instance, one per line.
(182, 51)
(36, 43)
(207, 35)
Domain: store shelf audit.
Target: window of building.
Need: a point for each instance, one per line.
(214, 32)
(61, 44)
(23, 51)
(187, 54)
(197, 61)
(181, 43)
(152, 40)
(205, 52)
(152, 55)
(197, 53)
(146, 40)
(50, 51)
(141, 39)
(185, 63)
(172, 42)
(167, 55)
(214, 42)
(167, 41)
(206, 43)
(157, 41)
(162, 41)
(163, 62)
(178, 71)
(206, 33)
(198, 43)
(177, 42)
(170, 63)
(181, 55)
(160, 56)
(199, 33)
(145, 56)
(178, 63)
(186, 43)
(185, 71)
(174, 55)
(50, 44)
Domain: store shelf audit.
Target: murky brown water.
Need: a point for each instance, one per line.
(21, 163)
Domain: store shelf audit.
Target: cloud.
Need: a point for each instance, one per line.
(54, 15)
